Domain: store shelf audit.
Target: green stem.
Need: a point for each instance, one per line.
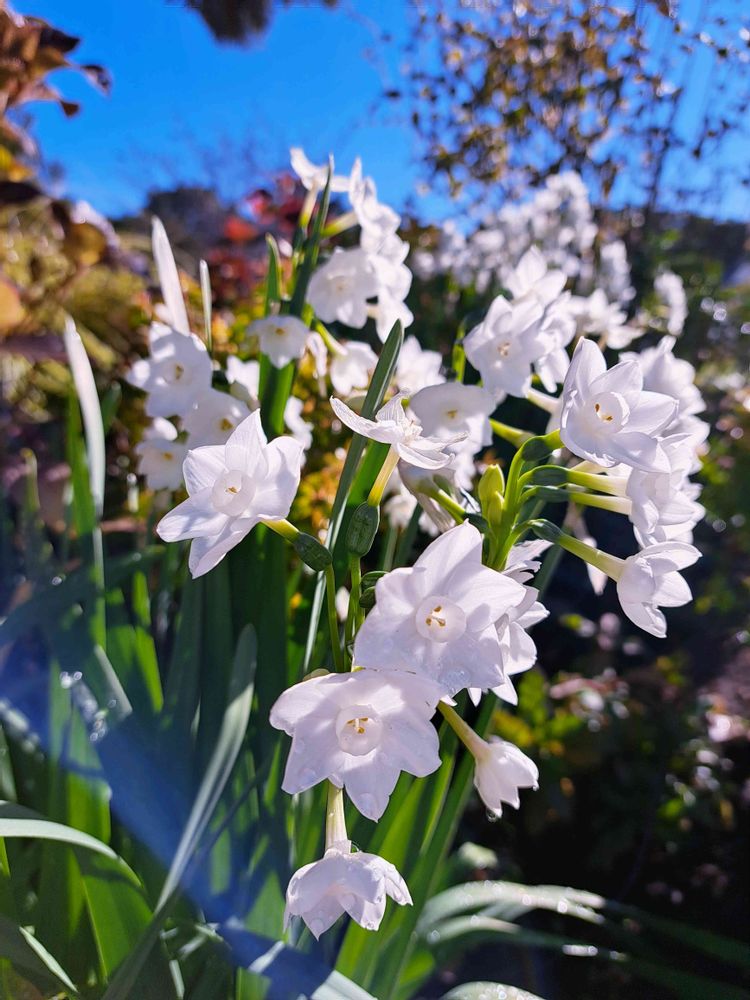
(602, 484)
(381, 481)
(335, 820)
(514, 435)
(620, 505)
(283, 528)
(333, 621)
(355, 612)
(471, 740)
(607, 563)
(448, 504)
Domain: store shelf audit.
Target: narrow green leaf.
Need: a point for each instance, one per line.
(29, 956)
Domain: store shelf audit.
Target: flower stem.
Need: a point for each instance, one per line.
(514, 435)
(333, 621)
(284, 528)
(607, 563)
(620, 505)
(353, 618)
(448, 504)
(386, 469)
(341, 224)
(603, 484)
(335, 821)
(542, 400)
(471, 740)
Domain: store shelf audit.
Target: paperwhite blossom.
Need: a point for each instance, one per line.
(614, 272)
(340, 288)
(393, 281)
(176, 374)
(300, 429)
(359, 730)
(597, 317)
(664, 504)
(232, 488)
(160, 456)
(651, 580)
(281, 338)
(247, 375)
(214, 417)
(419, 485)
(394, 426)
(344, 882)
(663, 372)
(439, 617)
(352, 368)
(416, 367)
(504, 346)
(671, 293)
(314, 177)
(532, 281)
(606, 416)
(501, 770)
(378, 221)
(454, 409)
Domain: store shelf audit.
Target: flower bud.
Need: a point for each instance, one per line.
(311, 551)
(491, 484)
(549, 475)
(546, 530)
(362, 529)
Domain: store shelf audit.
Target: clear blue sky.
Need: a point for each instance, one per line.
(312, 80)
(305, 82)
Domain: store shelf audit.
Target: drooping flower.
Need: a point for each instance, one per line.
(344, 882)
(340, 288)
(232, 488)
(215, 416)
(607, 417)
(394, 426)
(281, 338)
(439, 617)
(675, 377)
(651, 580)
(175, 375)
(160, 456)
(359, 730)
(502, 769)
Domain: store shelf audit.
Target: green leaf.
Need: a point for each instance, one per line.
(17, 821)
(376, 391)
(29, 956)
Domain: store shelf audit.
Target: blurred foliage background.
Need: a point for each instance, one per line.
(643, 747)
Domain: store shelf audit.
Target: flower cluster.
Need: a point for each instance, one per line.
(411, 643)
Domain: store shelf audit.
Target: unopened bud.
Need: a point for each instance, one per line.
(546, 530)
(362, 530)
(311, 552)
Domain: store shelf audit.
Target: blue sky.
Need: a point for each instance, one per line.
(313, 80)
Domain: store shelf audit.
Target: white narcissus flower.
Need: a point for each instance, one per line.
(439, 616)
(314, 176)
(359, 730)
(175, 375)
(232, 488)
(453, 408)
(533, 281)
(377, 220)
(160, 456)
(301, 430)
(651, 579)
(663, 502)
(281, 338)
(607, 418)
(214, 417)
(663, 372)
(352, 367)
(504, 346)
(392, 425)
(671, 293)
(344, 882)
(340, 288)
(244, 374)
(501, 769)
(417, 367)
